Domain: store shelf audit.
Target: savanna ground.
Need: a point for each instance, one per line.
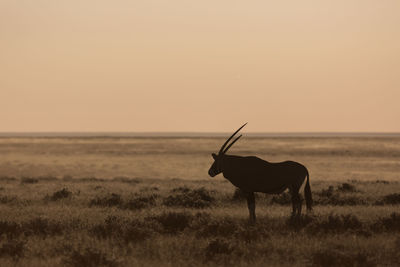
(149, 202)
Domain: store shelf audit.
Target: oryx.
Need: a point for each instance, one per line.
(252, 174)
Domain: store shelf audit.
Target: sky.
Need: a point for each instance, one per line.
(200, 66)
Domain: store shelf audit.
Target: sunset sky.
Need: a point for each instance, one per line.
(209, 65)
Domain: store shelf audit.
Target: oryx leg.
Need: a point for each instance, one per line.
(296, 201)
(251, 204)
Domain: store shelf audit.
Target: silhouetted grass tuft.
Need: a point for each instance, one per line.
(123, 179)
(189, 198)
(282, 199)
(89, 257)
(29, 180)
(334, 257)
(129, 231)
(13, 248)
(346, 187)
(107, 201)
(391, 223)
(173, 222)
(8, 199)
(221, 227)
(61, 194)
(216, 247)
(10, 229)
(391, 199)
(7, 178)
(238, 195)
(137, 202)
(42, 227)
(335, 223)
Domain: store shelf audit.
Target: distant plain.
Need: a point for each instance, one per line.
(149, 201)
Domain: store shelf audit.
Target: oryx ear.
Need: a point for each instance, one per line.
(214, 156)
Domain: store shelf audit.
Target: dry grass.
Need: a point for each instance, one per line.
(92, 202)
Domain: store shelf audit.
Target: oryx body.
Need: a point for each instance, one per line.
(252, 174)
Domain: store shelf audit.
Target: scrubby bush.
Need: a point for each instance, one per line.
(335, 223)
(61, 194)
(42, 226)
(8, 199)
(282, 199)
(12, 248)
(221, 227)
(29, 180)
(137, 201)
(329, 197)
(216, 247)
(391, 223)
(238, 195)
(129, 231)
(7, 178)
(190, 198)
(391, 199)
(346, 187)
(10, 229)
(112, 226)
(334, 257)
(137, 230)
(89, 257)
(107, 201)
(173, 222)
(327, 193)
(123, 179)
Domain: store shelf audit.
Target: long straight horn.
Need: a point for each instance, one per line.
(229, 139)
(237, 138)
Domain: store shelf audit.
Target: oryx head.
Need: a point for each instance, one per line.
(216, 167)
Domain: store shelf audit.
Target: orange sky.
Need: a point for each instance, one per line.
(209, 65)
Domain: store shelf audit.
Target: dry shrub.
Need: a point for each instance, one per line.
(129, 231)
(12, 248)
(334, 257)
(391, 199)
(67, 178)
(137, 201)
(298, 223)
(335, 223)
(391, 223)
(222, 227)
(47, 178)
(61, 194)
(29, 180)
(330, 197)
(251, 234)
(10, 229)
(123, 179)
(238, 195)
(89, 257)
(173, 222)
(109, 200)
(327, 193)
(189, 198)
(138, 230)
(346, 187)
(283, 199)
(42, 227)
(7, 178)
(216, 247)
(381, 182)
(8, 199)
(112, 226)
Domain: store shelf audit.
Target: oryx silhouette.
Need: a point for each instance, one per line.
(252, 174)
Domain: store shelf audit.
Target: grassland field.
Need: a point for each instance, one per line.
(149, 202)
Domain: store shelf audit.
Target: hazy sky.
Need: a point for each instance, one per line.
(209, 65)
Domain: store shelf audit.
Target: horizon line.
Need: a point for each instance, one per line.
(186, 133)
